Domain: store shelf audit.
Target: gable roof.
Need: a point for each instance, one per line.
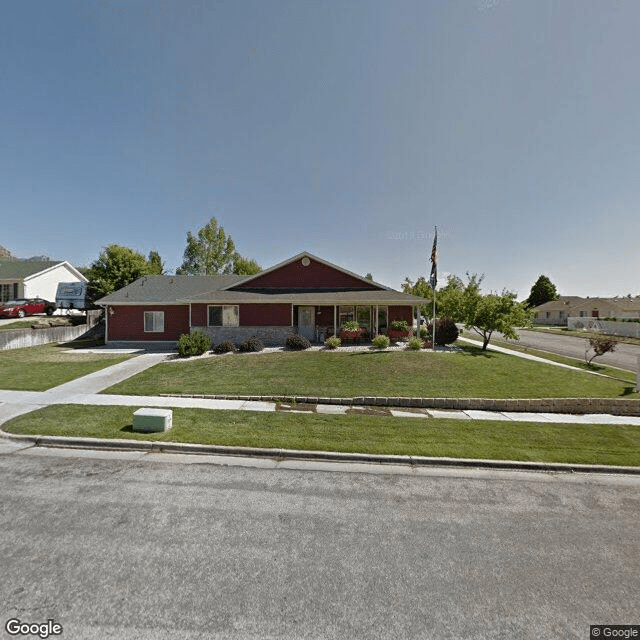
(255, 278)
(168, 289)
(567, 303)
(19, 269)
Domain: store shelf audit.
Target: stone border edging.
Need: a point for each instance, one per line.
(149, 446)
(614, 406)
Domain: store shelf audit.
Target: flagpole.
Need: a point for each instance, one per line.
(433, 281)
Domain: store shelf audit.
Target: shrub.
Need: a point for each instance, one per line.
(415, 344)
(297, 343)
(425, 333)
(400, 325)
(350, 325)
(193, 344)
(225, 347)
(599, 345)
(251, 345)
(446, 331)
(333, 342)
(381, 342)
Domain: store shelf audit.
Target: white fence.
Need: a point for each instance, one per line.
(624, 329)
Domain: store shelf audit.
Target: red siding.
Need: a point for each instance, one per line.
(198, 315)
(127, 323)
(265, 315)
(401, 313)
(314, 276)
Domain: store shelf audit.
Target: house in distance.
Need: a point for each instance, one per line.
(305, 295)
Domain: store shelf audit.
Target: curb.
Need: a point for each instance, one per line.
(325, 456)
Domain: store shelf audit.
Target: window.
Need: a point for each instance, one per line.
(345, 315)
(8, 291)
(383, 320)
(153, 321)
(227, 315)
(364, 317)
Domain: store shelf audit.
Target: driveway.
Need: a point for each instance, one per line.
(625, 356)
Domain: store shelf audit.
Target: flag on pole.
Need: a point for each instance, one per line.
(433, 279)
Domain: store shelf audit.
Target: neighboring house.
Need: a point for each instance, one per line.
(305, 295)
(34, 279)
(556, 312)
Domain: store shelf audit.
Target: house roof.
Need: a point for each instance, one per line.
(19, 269)
(210, 289)
(566, 303)
(168, 289)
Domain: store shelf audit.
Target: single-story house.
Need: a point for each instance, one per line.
(35, 279)
(305, 295)
(557, 311)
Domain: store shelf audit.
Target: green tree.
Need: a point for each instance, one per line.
(421, 289)
(116, 267)
(212, 251)
(156, 265)
(245, 266)
(483, 314)
(542, 291)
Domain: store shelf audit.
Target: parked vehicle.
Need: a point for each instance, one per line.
(26, 307)
(72, 295)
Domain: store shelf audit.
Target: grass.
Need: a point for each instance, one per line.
(470, 373)
(613, 372)
(19, 324)
(578, 444)
(41, 368)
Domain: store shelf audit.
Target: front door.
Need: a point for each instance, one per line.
(307, 322)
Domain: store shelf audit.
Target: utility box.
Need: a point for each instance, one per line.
(148, 420)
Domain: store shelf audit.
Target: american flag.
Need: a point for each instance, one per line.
(433, 280)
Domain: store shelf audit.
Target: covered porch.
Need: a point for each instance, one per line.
(319, 322)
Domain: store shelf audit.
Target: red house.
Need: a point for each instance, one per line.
(304, 295)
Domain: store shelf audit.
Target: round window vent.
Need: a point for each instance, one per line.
(306, 262)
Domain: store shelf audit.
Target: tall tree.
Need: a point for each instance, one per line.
(116, 267)
(212, 251)
(156, 266)
(542, 291)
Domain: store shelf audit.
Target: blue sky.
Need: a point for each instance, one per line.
(348, 128)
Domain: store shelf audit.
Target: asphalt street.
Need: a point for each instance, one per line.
(625, 356)
(109, 546)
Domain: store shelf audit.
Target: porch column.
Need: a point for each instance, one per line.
(377, 328)
(335, 320)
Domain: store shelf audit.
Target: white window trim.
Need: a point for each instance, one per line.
(223, 306)
(157, 320)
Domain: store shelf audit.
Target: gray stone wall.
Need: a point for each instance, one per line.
(269, 336)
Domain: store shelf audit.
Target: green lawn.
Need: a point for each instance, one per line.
(41, 368)
(18, 324)
(613, 372)
(471, 373)
(586, 444)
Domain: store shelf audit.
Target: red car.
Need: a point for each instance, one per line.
(26, 307)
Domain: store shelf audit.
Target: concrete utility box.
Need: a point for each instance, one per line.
(150, 420)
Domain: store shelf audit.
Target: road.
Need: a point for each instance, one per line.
(625, 356)
(120, 548)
